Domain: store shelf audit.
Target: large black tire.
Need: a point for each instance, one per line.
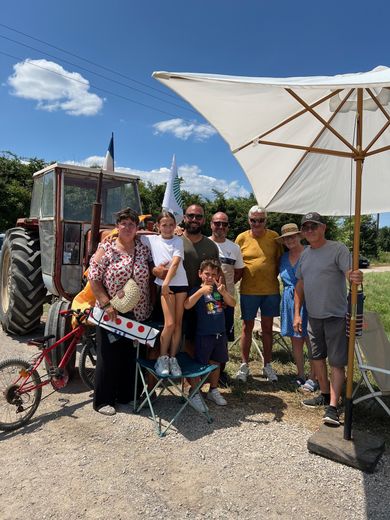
(59, 326)
(16, 410)
(87, 360)
(22, 293)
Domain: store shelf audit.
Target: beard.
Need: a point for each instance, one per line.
(192, 229)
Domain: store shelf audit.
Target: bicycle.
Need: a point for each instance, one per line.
(20, 383)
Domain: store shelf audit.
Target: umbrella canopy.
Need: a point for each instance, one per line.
(297, 138)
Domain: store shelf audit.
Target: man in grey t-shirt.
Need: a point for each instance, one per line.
(322, 272)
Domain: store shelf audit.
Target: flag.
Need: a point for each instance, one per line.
(108, 163)
(172, 198)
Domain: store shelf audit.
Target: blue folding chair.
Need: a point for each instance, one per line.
(190, 369)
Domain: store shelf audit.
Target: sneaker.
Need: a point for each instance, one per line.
(243, 373)
(215, 396)
(299, 381)
(331, 416)
(174, 367)
(197, 402)
(107, 410)
(310, 386)
(269, 373)
(315, 402)
(162, 366)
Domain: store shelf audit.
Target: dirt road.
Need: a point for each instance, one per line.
(251, 462)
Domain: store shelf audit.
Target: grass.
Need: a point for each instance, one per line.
(283, 399)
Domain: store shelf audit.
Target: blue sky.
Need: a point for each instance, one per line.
(69, 115)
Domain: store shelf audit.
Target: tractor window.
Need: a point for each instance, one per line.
(79, 196)
(47, 206)
(36, 197)
(120, 196)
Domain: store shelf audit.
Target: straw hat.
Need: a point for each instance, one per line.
(129, 300)
(288, 230)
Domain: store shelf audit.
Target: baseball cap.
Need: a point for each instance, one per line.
(312, 217)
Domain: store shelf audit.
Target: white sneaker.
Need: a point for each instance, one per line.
(269, 373)
(107, 410)
(174, 367)
(162, 366)
(197, 403)
(215, 396)
(243, 373)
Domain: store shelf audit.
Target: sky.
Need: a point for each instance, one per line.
(73, 72)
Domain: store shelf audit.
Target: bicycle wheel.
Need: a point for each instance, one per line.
(17, 409)
(87, 361)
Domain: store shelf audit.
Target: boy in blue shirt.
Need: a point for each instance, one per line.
(211, 340)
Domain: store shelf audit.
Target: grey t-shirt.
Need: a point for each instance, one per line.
(323, 273)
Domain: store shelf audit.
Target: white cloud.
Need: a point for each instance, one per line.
(184, 130)
(63, 90)
(193, 179)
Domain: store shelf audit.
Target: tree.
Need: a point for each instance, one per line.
(15, 187)
(384, 239)
(368, 234)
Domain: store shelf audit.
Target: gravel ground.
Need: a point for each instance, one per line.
(252, 461)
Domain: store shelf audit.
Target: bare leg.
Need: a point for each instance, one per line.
(168, 307)
(297, 345)
(177, 333)
(337, 377)
(312, 374)
(321, 374)
(214, 375)
(246, 339)
(266, 332)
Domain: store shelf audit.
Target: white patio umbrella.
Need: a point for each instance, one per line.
(302, 143)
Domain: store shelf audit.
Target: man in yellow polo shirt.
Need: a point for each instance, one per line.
(259, 287)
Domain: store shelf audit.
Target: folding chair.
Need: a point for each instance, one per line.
(277, 337)
(190, 369)
(372, 351)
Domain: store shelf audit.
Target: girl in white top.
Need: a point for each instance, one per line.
(167, 248)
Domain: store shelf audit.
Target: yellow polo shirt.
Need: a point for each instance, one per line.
(261, 259)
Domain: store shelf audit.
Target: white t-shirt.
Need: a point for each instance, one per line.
(163, 250)
(231, 258)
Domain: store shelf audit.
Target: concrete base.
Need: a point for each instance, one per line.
(362, 452)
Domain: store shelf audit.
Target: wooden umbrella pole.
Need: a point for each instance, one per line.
(355, 265)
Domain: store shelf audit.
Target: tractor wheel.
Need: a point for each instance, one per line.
(22, 293)
(59, 326)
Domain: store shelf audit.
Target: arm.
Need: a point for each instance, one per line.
(97, 286)
(238, 274)
(227, 297)
(298, 302)
(170, 274)
(193, 299)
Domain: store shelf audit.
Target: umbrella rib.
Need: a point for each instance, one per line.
(343, 101)
(387, 124)
(286, 121)
(378, 150)
(308, 148)
(322, 120)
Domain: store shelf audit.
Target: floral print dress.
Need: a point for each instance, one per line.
(116, 267)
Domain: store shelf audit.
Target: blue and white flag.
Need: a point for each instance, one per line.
(108, 163)
(172, 198)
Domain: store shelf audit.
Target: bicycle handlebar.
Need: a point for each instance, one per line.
(78, 313)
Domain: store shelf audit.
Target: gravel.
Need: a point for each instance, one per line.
(70, 462)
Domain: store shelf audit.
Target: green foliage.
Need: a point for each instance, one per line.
(368, 234)
(384, 239)
(15, 187)
(377, 292)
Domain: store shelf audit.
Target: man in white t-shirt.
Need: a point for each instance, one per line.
(231, 261)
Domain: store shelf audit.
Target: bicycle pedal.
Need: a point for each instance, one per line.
(57, 373)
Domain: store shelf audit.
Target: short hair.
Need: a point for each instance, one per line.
(213, 263)
(257, 209)
(127, 213)
(165, 214)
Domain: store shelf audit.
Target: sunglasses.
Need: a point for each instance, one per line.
(220, 224)
(310, 227)
(194, 216)
(257, 220)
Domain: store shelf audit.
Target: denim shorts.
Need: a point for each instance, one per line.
(328, 339)
(212, 347)
(268, 304)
